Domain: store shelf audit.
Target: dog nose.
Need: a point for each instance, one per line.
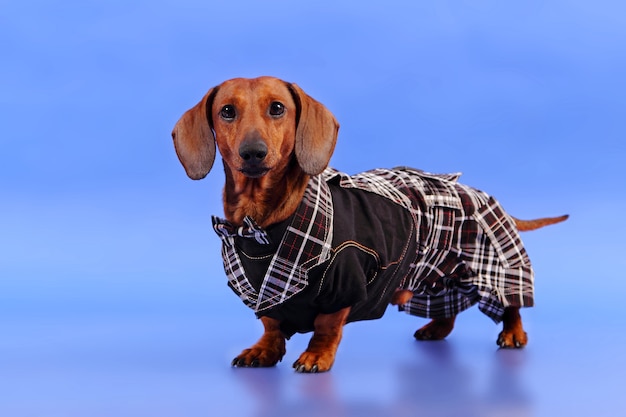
(253, 152)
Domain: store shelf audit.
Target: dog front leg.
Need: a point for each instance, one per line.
(320, 354)
(267, 351)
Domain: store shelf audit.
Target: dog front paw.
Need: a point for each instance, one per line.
(313, 362)
(268, 351)
(258, 357)
(510, 339)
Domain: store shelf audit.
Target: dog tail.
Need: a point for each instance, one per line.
(527, 225)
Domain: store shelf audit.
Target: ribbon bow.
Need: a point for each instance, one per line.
(250, 230)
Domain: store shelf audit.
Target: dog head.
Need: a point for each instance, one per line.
(259, 125)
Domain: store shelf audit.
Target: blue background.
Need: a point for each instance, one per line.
(112, 295)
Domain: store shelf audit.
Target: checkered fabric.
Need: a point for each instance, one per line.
(469, 250)
(305, 244)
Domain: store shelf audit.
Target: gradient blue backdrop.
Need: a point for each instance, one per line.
(112, 295)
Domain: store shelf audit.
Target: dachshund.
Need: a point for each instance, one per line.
(403, 237)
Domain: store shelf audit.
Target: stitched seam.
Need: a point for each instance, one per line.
(345, 245)
(255, 258)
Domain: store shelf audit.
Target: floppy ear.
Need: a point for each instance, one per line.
(194, 140)
(316, 132)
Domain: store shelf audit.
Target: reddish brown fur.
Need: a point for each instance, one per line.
(437, 329)
(527, 225)
(299, 144)
(512, 334)
(268, 351)
(320, 354)
(274, 196)
(401, 297)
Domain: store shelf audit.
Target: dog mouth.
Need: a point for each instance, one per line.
(254, 172)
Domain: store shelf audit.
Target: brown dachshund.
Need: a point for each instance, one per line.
(276, 143)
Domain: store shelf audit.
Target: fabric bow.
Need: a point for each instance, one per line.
(250, 230)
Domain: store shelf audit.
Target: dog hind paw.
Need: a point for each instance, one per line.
(512, 339)
(437, 329)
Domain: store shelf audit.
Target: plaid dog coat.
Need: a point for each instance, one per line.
(354, 240)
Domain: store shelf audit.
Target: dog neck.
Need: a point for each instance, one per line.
(269, 199)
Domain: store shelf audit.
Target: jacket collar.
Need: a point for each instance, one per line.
(305, 244)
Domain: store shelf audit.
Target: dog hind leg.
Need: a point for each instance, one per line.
(512, 334)
(401, 297)
(437, 329)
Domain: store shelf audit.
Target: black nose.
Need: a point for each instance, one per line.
(253, 152)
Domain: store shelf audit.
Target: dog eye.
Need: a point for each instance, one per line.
(228, 112)
(277, 108)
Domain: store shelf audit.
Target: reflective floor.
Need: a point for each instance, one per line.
(168, 368)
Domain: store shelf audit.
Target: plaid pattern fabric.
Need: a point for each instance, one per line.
(305, 244)
(469, 249)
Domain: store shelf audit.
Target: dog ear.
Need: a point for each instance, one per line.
(316, 132)
(194, 140)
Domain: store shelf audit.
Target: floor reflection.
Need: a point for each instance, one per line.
(437, 382)
(507, 394)
(274, 394)
(440, 384)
